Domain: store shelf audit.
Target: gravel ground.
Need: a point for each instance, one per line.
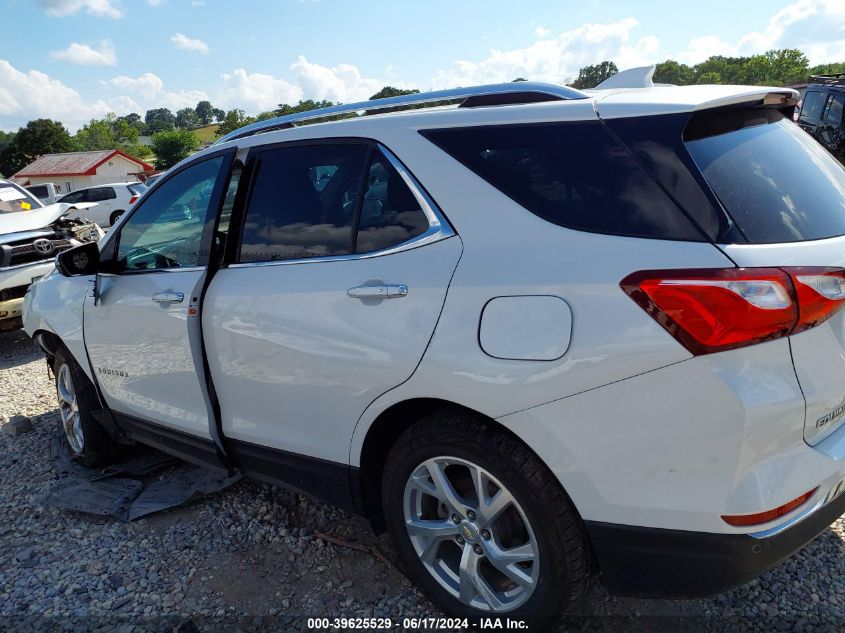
(259, 558)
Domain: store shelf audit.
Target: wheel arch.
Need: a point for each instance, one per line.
(383, 433)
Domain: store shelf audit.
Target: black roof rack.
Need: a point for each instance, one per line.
(836, 79)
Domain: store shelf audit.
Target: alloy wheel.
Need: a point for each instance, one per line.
(69, 409)
(471, 534)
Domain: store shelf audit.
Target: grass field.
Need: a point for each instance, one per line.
(206, 134)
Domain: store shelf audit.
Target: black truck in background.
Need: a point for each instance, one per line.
(821, 112)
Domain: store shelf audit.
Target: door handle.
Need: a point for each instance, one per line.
(169, 297)
(394, 291)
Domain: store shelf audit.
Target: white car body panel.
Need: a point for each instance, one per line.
(290, 352)
(818, 353)
(141, 350)
(39, 218)
(45, 309)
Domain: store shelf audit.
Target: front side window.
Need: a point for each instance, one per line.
(73, 198)
(813, 105)
(166, 230)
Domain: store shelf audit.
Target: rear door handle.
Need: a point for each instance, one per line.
(395, 291)
(169, 297)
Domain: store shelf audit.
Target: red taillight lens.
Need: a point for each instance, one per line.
(744, 520)
(133, 199)
(821, 292)
(713, 310)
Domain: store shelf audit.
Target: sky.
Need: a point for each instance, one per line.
(74, 60)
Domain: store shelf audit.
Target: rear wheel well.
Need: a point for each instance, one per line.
(383, 434)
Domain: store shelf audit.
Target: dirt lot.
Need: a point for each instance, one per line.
(258, 558)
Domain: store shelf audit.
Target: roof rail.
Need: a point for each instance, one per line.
(493, 94)
(836, 79)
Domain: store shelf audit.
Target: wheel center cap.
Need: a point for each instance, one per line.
(469, 531)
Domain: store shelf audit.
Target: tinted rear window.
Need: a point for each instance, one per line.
(775, 181)
(572, 174)
(39, 192)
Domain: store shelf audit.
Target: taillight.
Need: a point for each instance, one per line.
(712, 310)
(133, 199)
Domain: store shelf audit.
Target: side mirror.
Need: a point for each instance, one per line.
(79, 260)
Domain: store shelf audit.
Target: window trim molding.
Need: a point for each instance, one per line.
(439, 227)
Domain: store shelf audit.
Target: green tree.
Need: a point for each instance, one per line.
(592, 76)
(518, 79)
(204, 112)
(133, 119)
(5, 139)
(187, 118)
(390, 91)
(171, 146)
(232, 121)
(111, 132)
(710, 77)
(303, 106)
(219, 115)
(786, 65)
(672, 72)
(833, 68)
(38, 137)
(158, 120)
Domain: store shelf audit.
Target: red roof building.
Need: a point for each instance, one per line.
(73, 170)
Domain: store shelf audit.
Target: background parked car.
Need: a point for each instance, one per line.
(821, 112)
(112, 199)
(46, 192)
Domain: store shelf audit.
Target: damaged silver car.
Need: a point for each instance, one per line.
(30, 237)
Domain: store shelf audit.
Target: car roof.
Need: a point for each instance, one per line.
(108, 184)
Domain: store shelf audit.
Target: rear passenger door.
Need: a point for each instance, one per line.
(338, 266)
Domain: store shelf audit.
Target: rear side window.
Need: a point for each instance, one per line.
(327, 200)
(39, 192)
(303, 202)
(833, 116)
(775, 181)
(572, 174)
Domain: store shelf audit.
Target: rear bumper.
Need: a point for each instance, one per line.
(651, 562)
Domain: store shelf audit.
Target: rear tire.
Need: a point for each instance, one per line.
(519, 552)
(77, 399)
(115, 216)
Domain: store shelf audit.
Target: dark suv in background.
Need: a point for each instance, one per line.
(821, 112)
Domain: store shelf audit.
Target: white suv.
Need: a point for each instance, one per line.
(112, 200)
(541, 335)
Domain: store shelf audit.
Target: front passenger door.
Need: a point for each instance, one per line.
(142, 333)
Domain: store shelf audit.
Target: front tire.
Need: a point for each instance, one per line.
(77, 399)
(482, 525)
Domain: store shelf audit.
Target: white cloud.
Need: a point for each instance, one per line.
(542, 32)
(186, 43)
(150, 89)
(817, 27)
(155, 3)
(33, 94)
(256, 92)
(557, 59)
(85, 55)
(99, 8)
(343, 82)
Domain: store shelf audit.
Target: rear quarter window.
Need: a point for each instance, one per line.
(574, 175)
(813, 104)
